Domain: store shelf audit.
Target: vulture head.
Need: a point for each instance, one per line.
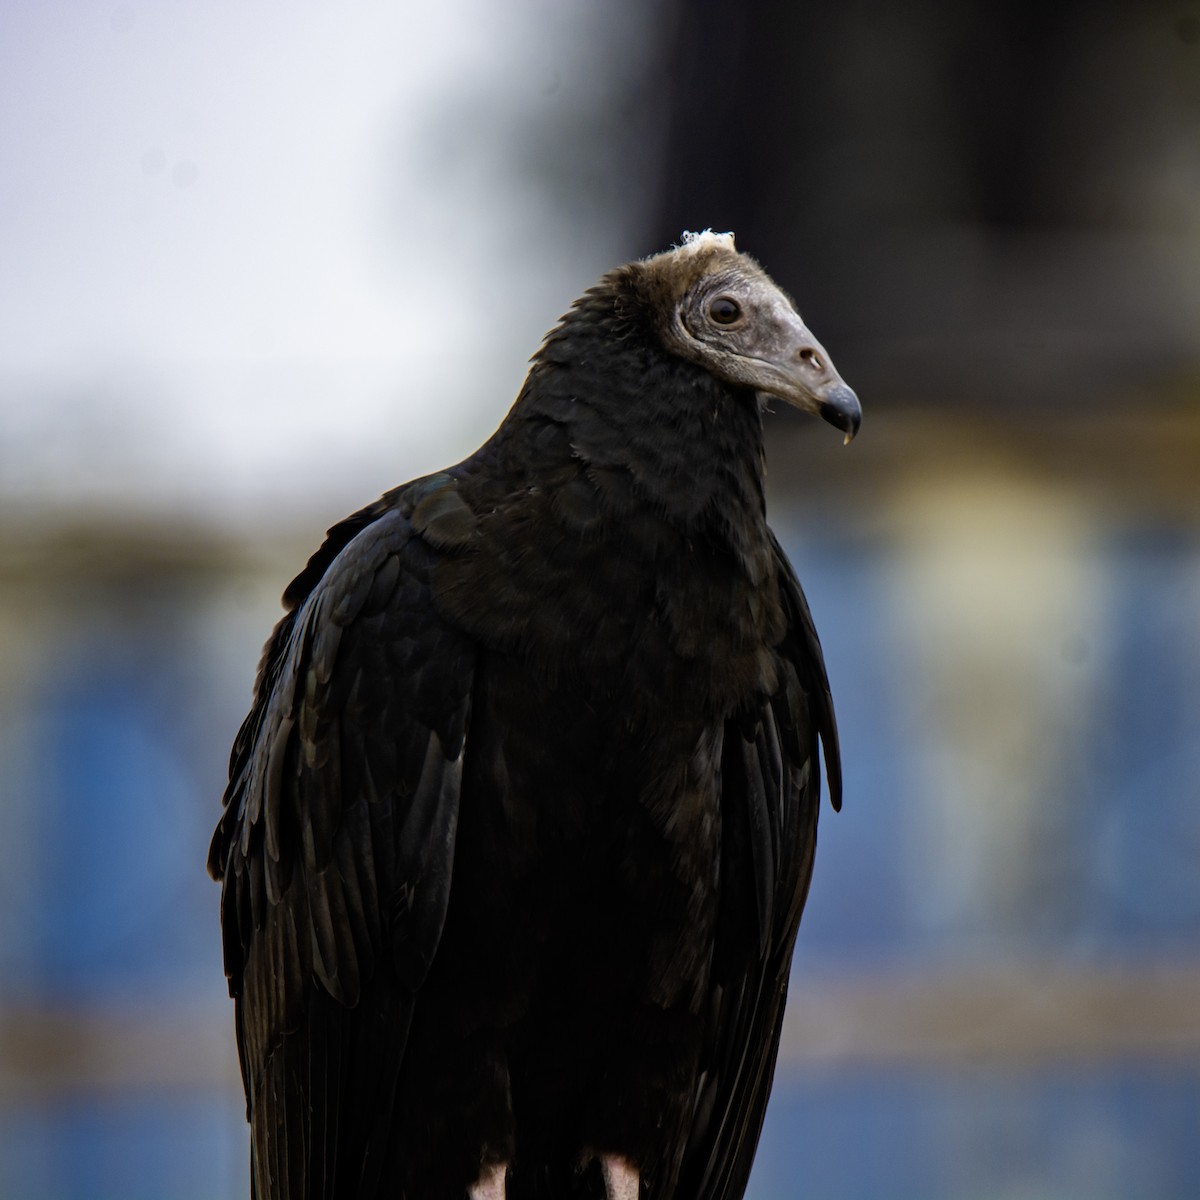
(720, 310)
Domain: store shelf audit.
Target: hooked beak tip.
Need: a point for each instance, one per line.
(840, 407)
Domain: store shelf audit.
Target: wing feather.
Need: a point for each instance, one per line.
(770, 792)
(336, 844)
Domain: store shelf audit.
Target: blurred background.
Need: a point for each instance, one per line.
(259, 262)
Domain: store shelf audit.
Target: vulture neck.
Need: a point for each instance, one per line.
(624, 484)
(688, 445)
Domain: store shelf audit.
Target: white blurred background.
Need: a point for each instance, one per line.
(248, 245)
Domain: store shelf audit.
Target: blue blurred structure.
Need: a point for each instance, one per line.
(1090, 1101)
(110, 947)
(1066, 1132)
(110, 971)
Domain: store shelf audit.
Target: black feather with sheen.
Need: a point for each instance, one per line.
(520, 826)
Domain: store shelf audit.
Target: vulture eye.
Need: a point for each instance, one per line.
(724, 311)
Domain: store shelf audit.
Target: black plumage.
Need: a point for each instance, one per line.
(520, 826)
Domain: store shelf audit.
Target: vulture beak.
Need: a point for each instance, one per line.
(803, 375)
(840, 407)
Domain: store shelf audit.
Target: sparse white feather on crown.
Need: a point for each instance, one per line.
(706, 239)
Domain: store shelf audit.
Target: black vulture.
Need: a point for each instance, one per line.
(520, 825)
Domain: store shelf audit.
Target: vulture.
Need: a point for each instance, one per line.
(521, 822)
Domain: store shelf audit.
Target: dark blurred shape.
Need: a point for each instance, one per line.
(990, 202)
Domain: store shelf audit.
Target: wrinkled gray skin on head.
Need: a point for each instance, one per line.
(731, 318)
